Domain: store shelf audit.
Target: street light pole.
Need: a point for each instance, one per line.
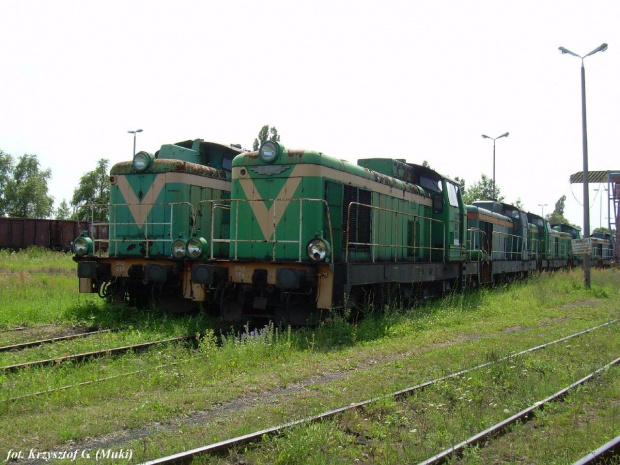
(134, 139)
(584, 130)
(494, 139)
(542, 208)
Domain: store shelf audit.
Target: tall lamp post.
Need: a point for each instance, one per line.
(134, 139)
(494, 139)
(542, 208)
(584, 129)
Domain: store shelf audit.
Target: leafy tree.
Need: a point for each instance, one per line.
(6, 170)
(604, 230)
(94, 188)
(481, 190)
(266, 133)
(557, 216)
(26, 190)
(63, 212)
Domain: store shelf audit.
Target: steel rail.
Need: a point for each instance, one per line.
(222, 446)
(89, 355)
(523, 415)
(602, 454)
(10, 330)
(22, 328)
(26, 345)
(93, 381)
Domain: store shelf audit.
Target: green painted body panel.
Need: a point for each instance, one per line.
(170, 217)
(299, 157)
(538, 237)
(253, 242)
(487, 239)
(514, 238)
(573, 232)
(390, 228)
(534, 242)
(453, 239)
(171, 200)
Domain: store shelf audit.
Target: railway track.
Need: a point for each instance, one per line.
(40, 342)
(501, 427)
(603, 454)
(12, 330)
(22, 328)
(258, 436)
(94, 381)
(90, 355)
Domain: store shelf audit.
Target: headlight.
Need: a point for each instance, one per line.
(82, 246)
(196, 246)
(317, 249)
(142, 160)
(178, 248)
(268, 151)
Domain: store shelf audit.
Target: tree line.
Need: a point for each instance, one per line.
(24, 189)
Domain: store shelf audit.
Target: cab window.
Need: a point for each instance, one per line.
(453, 194)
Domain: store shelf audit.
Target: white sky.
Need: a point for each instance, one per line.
(352, 79)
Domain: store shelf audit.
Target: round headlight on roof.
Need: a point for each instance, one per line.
(196, 246)
(142, 160)
(317, 249)
(178, 248)
(268, 151)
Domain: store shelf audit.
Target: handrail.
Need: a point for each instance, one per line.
(372, 245)
(113, 240)
(535, 252)
(273, 240)
(510, 248)
(476, 232)
(508, 252)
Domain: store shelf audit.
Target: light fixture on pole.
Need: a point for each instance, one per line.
(584, 129)
(494, 139)
(542, 209)
(134, 139)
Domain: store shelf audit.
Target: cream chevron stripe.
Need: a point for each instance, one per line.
(140, 209)
(265, 218)
(304, 170)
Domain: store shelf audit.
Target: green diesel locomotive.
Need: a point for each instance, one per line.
(156, 221)
(289, 234)
(309, 232)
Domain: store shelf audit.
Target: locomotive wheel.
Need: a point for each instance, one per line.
(115, 293)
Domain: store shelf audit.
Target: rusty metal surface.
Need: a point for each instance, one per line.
(20, 233)
(169, 165)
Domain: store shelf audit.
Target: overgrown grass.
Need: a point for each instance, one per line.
(36, 259)
(271, 375)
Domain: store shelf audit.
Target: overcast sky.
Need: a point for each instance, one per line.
(352, 79)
